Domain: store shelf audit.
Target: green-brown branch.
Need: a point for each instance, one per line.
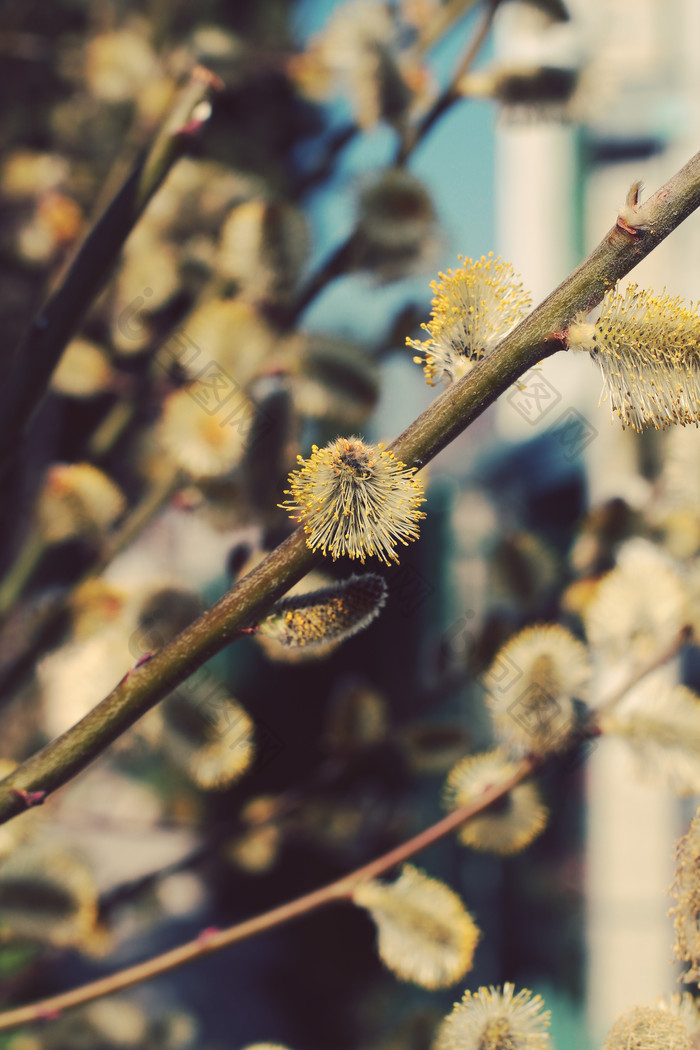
(538, 336)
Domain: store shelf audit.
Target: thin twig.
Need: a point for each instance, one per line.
(439, 26)
(538, 336)
(415, 135)
(337, 143)
(340, 260)
(41, 629)
(641, 672)
(336, 264)
(445, 17)
(39, 351)
(215, 940)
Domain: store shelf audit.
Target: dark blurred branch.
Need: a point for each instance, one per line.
(338, 263)
(338, 141)
(56, 323)
(538, 336)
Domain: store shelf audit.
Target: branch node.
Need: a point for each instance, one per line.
(207, 934)
(48, 1015)
(631, 217)
(30, 798)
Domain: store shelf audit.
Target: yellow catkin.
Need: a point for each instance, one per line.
(329, 615)
(473, 308)
(648, 349)
(496, 1019)
(686, 890)
(424, 932)
(510, 824)
(47, 896)
(531, 687)
(646, 1028)
(355, 500)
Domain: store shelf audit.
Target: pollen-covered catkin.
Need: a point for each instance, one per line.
(531, 688)
(510, 824)
(331, 614)
(473, 308)
(648, 349)
(355, 500)
(686, 890)
(424, 932)
(496, 1019)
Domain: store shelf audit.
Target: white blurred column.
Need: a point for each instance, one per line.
(538, 204)
(632, 827)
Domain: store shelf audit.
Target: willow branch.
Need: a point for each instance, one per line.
(537, 337)
(215, 940)
(41, 347)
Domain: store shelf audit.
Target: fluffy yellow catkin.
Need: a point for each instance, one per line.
(207, 734)
(686, 890)
(646, 1028)
(510, 824)
(355, 500)
(661, 724)
(331, 614)
(47, 895)
(496, 1019)
(531, 687)
(424, 932)
(648, 349)
(473, 308)
(77, 499)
